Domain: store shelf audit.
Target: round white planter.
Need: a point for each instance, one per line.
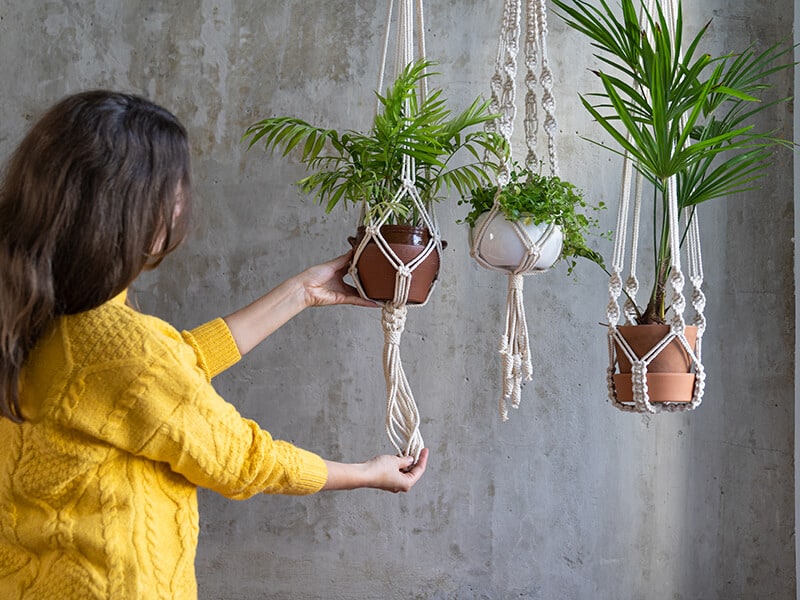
(502, 247)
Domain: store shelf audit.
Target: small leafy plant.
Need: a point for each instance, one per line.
(531, 197)
(349, 167)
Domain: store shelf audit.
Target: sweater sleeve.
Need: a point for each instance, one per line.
(214, 347)
(167, 411)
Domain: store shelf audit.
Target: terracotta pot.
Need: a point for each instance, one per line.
(668, 374)
(377, 274)
(502, 247)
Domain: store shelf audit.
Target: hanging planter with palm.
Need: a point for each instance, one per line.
(416, 153)
(683, 120)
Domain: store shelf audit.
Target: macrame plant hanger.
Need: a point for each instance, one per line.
(514, 344)
(402, 414)
(677, 331)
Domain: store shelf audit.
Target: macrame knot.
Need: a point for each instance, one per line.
(632, 285)
(408, 183)
(612, 311)
(515, 282)
(639, 384)
(676, 279)
(550, 125)
(700, 383)
(615, 284)
(678, 303)
(546, 78)
(677, 325)
(698, 299)
(371, 230)
(394, 318)
(496, 81)
(532, 254)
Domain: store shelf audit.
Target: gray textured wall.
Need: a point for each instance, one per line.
(570, 498)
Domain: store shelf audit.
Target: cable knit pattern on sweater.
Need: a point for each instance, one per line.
(98, 485)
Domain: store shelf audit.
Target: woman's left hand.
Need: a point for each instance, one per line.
(385, 472)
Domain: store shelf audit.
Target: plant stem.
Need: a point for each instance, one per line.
(655, 311)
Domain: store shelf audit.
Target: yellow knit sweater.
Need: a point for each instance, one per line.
(98, 485)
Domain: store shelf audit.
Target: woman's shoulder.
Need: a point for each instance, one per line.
(106, 348)
(113, 332)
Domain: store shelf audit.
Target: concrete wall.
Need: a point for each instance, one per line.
(569, 498)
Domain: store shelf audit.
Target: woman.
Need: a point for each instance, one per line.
(108, 420)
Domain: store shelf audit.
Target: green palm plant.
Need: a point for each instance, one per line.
(677, 114)
(349, 167)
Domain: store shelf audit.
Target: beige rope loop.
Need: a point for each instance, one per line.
(402, 416)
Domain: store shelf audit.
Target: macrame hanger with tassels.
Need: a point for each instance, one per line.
(514, 345)
(677, 331)
(402, 415)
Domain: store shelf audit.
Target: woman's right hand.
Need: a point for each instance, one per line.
(324, 284)
(320, 285)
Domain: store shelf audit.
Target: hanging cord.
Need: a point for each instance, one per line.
(698, 301)
(382, 69)
(503, 82)
(536, 49)
(514, 346)
(402, 415)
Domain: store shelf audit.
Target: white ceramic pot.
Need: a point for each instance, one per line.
(502, 247)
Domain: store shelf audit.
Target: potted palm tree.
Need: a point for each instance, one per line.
(353, 168)
(533, 202)
(680, 115)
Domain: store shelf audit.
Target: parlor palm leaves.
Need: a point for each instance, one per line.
(677, 113)
(351, 167)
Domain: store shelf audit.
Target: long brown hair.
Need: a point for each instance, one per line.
(98, 190)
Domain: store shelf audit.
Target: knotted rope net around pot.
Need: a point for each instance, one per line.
(618, 347)
(402, 414)
(514, 344)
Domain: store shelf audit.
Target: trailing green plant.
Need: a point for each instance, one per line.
(684, 114)
(531, 197)
(349, 167)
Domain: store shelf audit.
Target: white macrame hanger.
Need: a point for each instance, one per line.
(514, 345)
(402, 414)
(677, 332)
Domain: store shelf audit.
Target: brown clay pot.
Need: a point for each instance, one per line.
(668, 376)
(377, 274)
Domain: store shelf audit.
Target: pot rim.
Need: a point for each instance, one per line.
(410, 230)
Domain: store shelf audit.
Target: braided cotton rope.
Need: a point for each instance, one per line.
(535, 48)
(402, 415)
(677, 332)
(503, 82)
(514, 344)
